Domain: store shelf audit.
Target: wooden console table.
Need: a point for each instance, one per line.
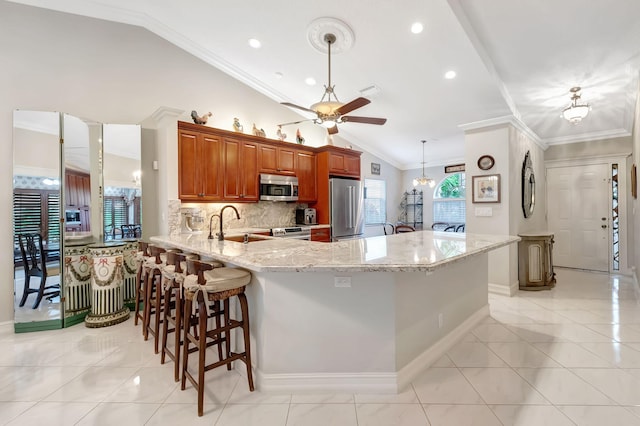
(535, 261)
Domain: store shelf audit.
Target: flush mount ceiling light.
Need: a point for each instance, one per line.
(577, 111)
(424, 180)
(255, 43)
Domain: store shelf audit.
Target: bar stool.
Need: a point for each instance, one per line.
(153, 292)
(213, 286)
(141, 257)
(173, 274)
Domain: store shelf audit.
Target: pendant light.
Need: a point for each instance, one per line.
(424, 180)
(575, 112)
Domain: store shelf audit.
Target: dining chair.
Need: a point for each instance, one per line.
(404, 228)
(460, 228)
(450, 228)
(34, 262)
(385, 227)
(439, 226)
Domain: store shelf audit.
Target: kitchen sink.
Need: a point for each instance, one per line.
(240, 238)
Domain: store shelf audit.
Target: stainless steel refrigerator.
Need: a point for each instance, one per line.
(346, 204)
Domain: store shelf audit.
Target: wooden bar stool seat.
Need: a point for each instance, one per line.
(141, 257)
(203, 293)
(173, 274)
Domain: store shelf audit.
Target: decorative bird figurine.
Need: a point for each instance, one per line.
(258, 132)
(280, 135)
(200, 120)
(299, 137)
(237, 127)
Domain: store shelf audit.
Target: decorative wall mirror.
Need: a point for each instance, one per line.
(528, 186)
(58, 209)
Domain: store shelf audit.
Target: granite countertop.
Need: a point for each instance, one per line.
(407, 252)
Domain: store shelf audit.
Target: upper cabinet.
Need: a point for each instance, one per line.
(240, 159)
(341, 161)
(199, 165)
(218, 165)
(277, 160)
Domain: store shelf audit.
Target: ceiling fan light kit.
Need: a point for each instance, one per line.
(575, 112)
(329, 110)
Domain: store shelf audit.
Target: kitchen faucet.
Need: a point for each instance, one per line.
(210, 221)
(220, 234)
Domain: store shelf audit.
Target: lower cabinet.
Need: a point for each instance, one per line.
(535, 261)
(322, 235)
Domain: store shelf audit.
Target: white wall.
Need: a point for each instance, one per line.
(115, 73)
(634, 202)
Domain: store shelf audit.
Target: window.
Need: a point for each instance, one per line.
(449, 200)
(375, 202)
(35, 211)
(115, 212)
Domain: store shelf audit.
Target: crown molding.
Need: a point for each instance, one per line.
(586, 137)
(165, 112)
(503, 121)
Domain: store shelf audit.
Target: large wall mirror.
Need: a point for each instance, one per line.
(75, 182)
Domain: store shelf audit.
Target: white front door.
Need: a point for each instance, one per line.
(578, 214)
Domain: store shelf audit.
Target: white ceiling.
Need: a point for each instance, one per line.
(512, 57)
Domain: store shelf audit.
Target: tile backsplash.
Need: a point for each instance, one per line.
(265, 214)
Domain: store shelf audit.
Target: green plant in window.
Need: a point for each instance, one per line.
(452, 187)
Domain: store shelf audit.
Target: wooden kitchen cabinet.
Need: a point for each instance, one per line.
(77, 194)
(343, 163)
(322, 235)
(199, 165)
(333, 161)
(240, 159)
(306, 172)
(277, 160)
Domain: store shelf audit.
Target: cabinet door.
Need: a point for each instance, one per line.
(286, 161)
(199, 167)
(85, 219)
(210, 168)
(71, 187)
(277, 160)
(85, 199)
(306, 172)
(344, 164)
(249, 172)
(267, 159)
(189, 186)
(322, 235)
(232, 170)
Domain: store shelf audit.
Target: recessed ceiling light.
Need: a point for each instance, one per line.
(255, 43)
(310, 81)
(449, 75)
(416, 28)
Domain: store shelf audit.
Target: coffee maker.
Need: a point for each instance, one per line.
(306, 217)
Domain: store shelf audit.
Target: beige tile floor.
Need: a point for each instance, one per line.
(561, 357)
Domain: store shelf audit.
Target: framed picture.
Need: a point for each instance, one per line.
(486, 189)
(454, 168)
(634, 181)
(375, 168)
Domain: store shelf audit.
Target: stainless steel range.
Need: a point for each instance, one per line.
(297, 232)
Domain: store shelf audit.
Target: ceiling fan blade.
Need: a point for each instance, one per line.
(333, 130)
(296, 122)
(289, 104)
(367, 120)
(354, 104)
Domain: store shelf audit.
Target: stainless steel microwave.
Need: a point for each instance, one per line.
(72, 217)
(278, 188)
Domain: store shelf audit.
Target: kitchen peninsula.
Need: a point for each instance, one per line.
(361, 315)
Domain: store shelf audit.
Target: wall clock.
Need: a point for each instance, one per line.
(528, 186)
(486, 162)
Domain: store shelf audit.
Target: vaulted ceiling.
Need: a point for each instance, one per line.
(511, 58)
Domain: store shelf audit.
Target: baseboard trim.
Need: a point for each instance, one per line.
(379, 383)
(504, 290)
(410, 371)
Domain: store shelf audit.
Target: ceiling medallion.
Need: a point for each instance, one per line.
(319, 28)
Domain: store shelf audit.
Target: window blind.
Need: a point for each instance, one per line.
(375, 202)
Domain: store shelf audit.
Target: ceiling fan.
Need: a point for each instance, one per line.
(330, 111)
